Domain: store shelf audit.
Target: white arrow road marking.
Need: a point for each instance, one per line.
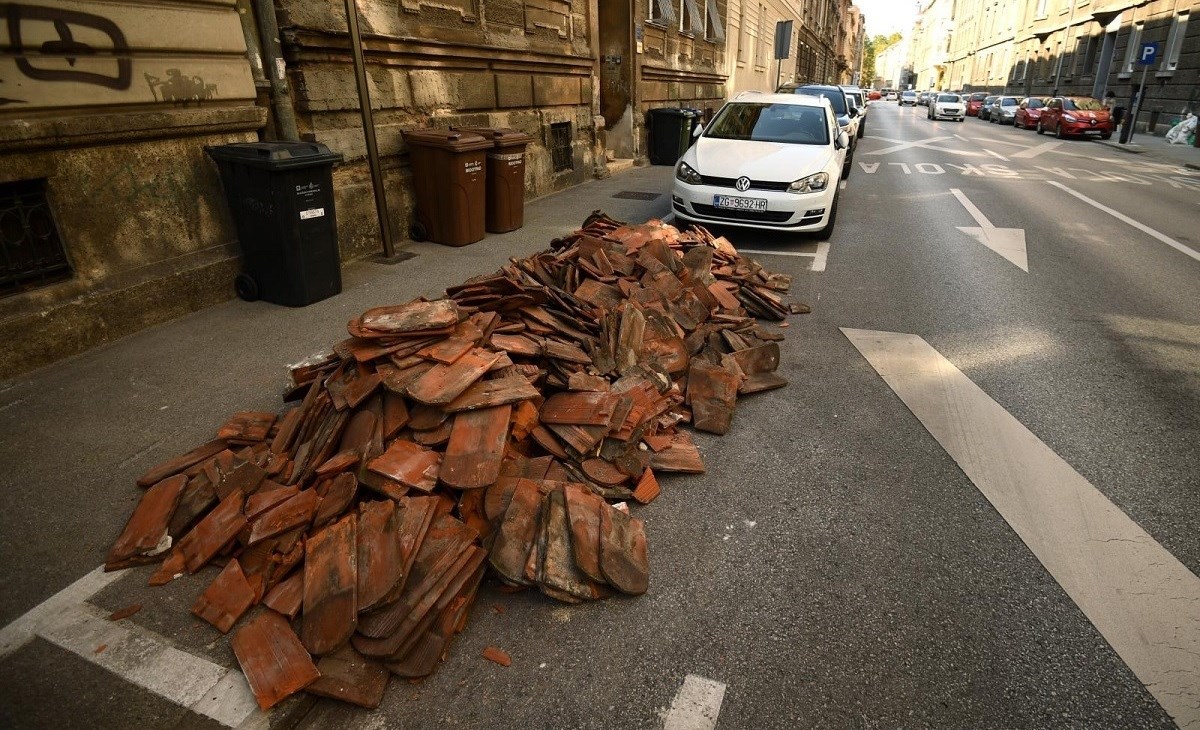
(923, 144)
(1126, 219)
(997, 155)
(1140, 598)
(870, 167)
(1008, 242)
(696, 705)
(1037, 151)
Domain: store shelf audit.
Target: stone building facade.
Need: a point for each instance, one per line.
(930, 47)
(112, 217)
(825, 46)
(1081, 48)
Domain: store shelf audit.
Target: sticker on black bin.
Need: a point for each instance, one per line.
(312, 213)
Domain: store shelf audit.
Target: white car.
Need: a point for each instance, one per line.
(949, 106)
(766, 161)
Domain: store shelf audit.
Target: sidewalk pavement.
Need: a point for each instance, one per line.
(1159, 149)
(75, 435)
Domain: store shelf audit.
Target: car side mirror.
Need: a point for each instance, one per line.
(842, 141)
(853, 111)
(697, 130)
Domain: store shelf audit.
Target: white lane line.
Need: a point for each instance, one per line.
(820, 257)
(1126, 219)
(997, 155)
(696, 705)
(135, 654)
(21, 632)
(1037, 151)
(1143, 601)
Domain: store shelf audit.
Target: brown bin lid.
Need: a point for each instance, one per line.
(502, 136)
(455, 141)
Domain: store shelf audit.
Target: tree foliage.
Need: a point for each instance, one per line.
(872, 48)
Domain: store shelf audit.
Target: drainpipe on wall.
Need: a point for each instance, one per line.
(276, 70)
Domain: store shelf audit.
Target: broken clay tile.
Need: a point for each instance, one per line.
(412, 317)
(517, 532)
(602, 472)
(273, 659)
(447, 350)
(146, 533)
(337, 497)
(395, 415)
(287, 596)
(499, 656)
(172, 467)
(330, 587)
(380, 559)
(578, 408)
(583, 512)
(647, 488)
(712, 393)
(226, 599)
(297, 511)
(623, 558)
(443, 383)
(213, 532)
(559, 569)
(434, 438)
(338, 462)
(410, 464)
(247, 426)
(350, 677)
(681, 456)
(488, 393)
(124, 613)
(476, 448)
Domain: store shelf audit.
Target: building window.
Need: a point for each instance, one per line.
(760, 45)
(662, 12)
(713, 29)
(690, 19)
(1025, 67)
(742, 23)
(1041, 9)
(1174, 43)
(31, 253)
(1131, 51)
(560, 146)
(1089, 56)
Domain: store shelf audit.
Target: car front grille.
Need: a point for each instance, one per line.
(728, 182)
(752, 216)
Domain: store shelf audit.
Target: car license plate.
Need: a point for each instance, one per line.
(732, 202)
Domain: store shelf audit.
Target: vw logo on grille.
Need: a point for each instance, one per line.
(742, 184)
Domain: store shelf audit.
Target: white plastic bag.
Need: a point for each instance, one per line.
(1179, 133)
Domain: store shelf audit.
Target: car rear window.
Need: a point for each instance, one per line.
(786, 123)
(1087, 105)
(978, 97)
(836, 98)
(1034, 103)
(948, 98)
(1008, 102)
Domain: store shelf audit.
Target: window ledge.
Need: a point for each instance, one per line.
(1163, 74)
(658, 23)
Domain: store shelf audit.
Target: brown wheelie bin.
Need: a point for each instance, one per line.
(505, 176)
(448, 179)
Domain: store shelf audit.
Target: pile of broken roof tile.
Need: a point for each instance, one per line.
(503, 426)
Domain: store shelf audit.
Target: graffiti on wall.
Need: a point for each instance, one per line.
(55, 60)
(179, 89)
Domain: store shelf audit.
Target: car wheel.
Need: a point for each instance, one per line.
(862, 129)
(846, 167)
(1058, 131)
(826, 231)
(1040, 128)
(962, 119)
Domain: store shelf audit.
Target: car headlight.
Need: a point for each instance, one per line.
(1069, 118)
(811, 184)
(684, 172)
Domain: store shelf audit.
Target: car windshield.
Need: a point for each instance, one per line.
(948, 98)
(1034, 103)
(786, 123)
(1086, 105)
(836, 98)
(856, 97)
(978, 97)
(909, 93)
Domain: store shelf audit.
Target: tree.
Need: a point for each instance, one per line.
(872, 48)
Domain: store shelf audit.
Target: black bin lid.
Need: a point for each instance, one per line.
(275, 155)
(674, 112)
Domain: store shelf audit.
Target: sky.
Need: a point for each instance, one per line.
(885, 17)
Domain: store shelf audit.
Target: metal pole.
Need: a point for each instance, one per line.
(364, 105)
(281, 102)
(1137, 108)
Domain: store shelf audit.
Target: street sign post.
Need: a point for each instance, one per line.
(1147, 55)
(783, 47)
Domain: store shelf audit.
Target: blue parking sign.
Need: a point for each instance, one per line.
(1148, 54)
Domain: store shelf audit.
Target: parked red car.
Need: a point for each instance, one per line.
(1075, 116)
(1029, 112)
(874, 95)
(975, 103)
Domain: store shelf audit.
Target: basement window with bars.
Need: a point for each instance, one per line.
(31, 253)
(560, 146)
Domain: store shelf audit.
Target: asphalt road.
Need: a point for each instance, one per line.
(835, 567)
